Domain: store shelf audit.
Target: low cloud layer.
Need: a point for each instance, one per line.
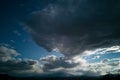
(52, 66)
(52, 62)
(73, 26)
(11, 65)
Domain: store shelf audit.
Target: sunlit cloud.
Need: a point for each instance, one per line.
(113, 49)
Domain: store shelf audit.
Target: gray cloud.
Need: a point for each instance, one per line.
(91, 69)
(101, 68)
(9, 64)
(74, 26)
(7, 54)
(16, 65)
(52, 62)
(105, 60)
(53, 66)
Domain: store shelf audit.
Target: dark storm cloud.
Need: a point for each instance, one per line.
(11, 66)
(73, 26)
(52, 62)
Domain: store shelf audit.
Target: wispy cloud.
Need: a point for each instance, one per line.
(102, 51)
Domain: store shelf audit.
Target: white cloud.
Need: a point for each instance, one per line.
(80, 60)
(7, 53)
(101, 51)
(103, 67)
(49, 58)
(76, 65)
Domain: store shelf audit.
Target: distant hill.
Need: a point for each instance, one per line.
(106, 77)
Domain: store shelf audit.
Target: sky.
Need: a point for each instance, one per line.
(49, 38)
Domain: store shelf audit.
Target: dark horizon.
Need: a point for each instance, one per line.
(105, 77)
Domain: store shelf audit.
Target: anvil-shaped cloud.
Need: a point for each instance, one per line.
(73, 26)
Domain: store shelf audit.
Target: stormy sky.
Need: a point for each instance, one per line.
(73, 26)
(60, 37)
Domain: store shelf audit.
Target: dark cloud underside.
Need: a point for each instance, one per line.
(9, 64)
(74, 26)
(52, 62)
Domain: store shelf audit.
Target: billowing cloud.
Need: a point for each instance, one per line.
(98, 68)
(54, 66)
(11, 65)
(91, 69)
(7, 54)
(49, 58)
(52, 62)
(74, 26)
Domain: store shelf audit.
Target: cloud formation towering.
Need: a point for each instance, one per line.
(73, 26)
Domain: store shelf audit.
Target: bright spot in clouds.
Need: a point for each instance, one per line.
(56, 49)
